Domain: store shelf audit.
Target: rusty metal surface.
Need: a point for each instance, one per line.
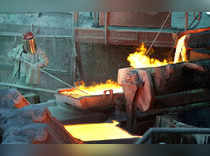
(138, 91)
(199, 54)
(140, 19)
(127, 37)
(55, 133)
(137, 82)
(167, 86)
(14, 96)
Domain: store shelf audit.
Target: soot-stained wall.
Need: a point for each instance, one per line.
(100, 62)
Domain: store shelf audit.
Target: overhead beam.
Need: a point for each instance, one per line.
(123, 37)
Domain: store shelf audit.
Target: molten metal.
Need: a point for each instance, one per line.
(98, 131)
(181, 50)
(97, 89)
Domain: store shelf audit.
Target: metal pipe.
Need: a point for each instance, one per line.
(28, 88)
(96, 19)
(198, 17)
(55, 78)
(106, 28)
(37, 36)
(76, 18)
(158, 33)
(186, 20)
(61, 81)
(153, 131)
(74, 52)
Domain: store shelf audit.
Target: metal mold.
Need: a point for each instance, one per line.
(89, 102)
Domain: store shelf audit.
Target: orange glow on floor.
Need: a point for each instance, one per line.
(98, 131)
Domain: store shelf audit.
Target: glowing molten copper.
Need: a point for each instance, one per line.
(181, 50)
(139, 59)
(98, 131)
(96, 89)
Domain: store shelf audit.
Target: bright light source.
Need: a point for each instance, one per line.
(208, 13)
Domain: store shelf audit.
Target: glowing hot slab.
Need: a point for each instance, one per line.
(98, 131)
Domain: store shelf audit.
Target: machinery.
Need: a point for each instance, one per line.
(154, 98)
(147, 105)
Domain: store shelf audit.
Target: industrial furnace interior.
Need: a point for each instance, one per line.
(91, 77)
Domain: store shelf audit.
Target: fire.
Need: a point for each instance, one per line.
(181, 50)
(98, 131)
(139, 59)
(96, 89)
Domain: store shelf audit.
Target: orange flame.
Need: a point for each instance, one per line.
(139, 59)
(98, 131)
(96, 89)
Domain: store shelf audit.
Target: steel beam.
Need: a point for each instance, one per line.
(127, 37)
